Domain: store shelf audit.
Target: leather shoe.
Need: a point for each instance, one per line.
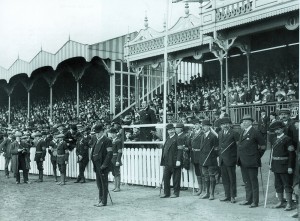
(245, 203)
(232, 200)
(26, 182)
(164, 196)
(224, 199)
(253, 205)
(174, 196)
(100, 205)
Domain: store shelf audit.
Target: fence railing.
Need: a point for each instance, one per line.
(141, 166)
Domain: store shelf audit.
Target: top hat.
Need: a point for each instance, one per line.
(225, 120)
(206, 123)
(98, 128)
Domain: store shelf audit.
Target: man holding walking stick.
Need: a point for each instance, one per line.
(228, 139)
(250, 150)
(101, 156)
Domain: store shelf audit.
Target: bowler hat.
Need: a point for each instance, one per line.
(276, 125)
(284, 111)
(98, 128)
(206, 123)
(179, 125)
(169, 126)
(225, 120)
(247, 117)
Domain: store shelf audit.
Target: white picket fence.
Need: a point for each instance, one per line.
(141, 166)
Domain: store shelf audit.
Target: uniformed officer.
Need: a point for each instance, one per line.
(250, 150)
(171, 161)
(194, 144)
(282, 164)
(101, 156)
(40, 154)
(116, 158)
(51, 143)
(62, 157)
(147, 116)
(208, 159)
(82, 152)
(228, 139)
(263, 124)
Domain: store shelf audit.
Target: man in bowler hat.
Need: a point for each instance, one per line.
(250, 150)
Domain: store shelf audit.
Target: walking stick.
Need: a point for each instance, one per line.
(262, 183)
(193, 181)
(160, 186)
(267, 189)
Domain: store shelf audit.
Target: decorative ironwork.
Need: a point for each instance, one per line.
(233, 10)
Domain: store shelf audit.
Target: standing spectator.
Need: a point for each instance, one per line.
(147, 116)
(263, 124)
(250, 150)
(228, 140)
(82, 152)
(171, 161)
(52, 150)
(40, 154)
(208, 159)
(5, 148)
(194, 144)
(116, 158)
(283, 162)
(62, 158)
(20, 160)
(101, 156)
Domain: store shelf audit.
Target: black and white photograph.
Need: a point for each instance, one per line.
(149, 110)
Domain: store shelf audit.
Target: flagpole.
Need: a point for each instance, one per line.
(165, 72)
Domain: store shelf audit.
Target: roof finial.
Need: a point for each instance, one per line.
(41, 47)
(18, 56)
(128, 36)
(69, 37)
(146, 20)
(186, 10)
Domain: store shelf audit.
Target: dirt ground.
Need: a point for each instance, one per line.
(47, 201)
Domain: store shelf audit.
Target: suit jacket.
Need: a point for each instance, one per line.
(249, 153)
(283, 147)
(208, 156)
(62, 152)
(171, 153)
(194, 145)
(101, 154)
(228, 157)
(182, 142)
(5, 147)
(15, 156)
(263, 125)
(82, 148)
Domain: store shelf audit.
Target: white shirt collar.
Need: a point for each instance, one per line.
(280, 135)
(206, 133)
(172, 135)
(247, 129)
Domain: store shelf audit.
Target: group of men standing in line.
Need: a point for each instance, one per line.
(105, 145)
(227, 149)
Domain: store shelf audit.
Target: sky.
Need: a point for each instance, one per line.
(27, 26)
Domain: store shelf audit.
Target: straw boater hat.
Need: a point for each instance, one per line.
(18, 134)
(284, 111)
(179, 125)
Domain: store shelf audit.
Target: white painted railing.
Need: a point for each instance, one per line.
(141, 166)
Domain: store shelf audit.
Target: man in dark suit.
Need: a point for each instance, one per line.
(250, 150)
(5, 148)
(282, 164)
(101, 156)
(147, 116)
(263, 124)
(194, 144)
(228, 139)
(171, 160)
(208, 159)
